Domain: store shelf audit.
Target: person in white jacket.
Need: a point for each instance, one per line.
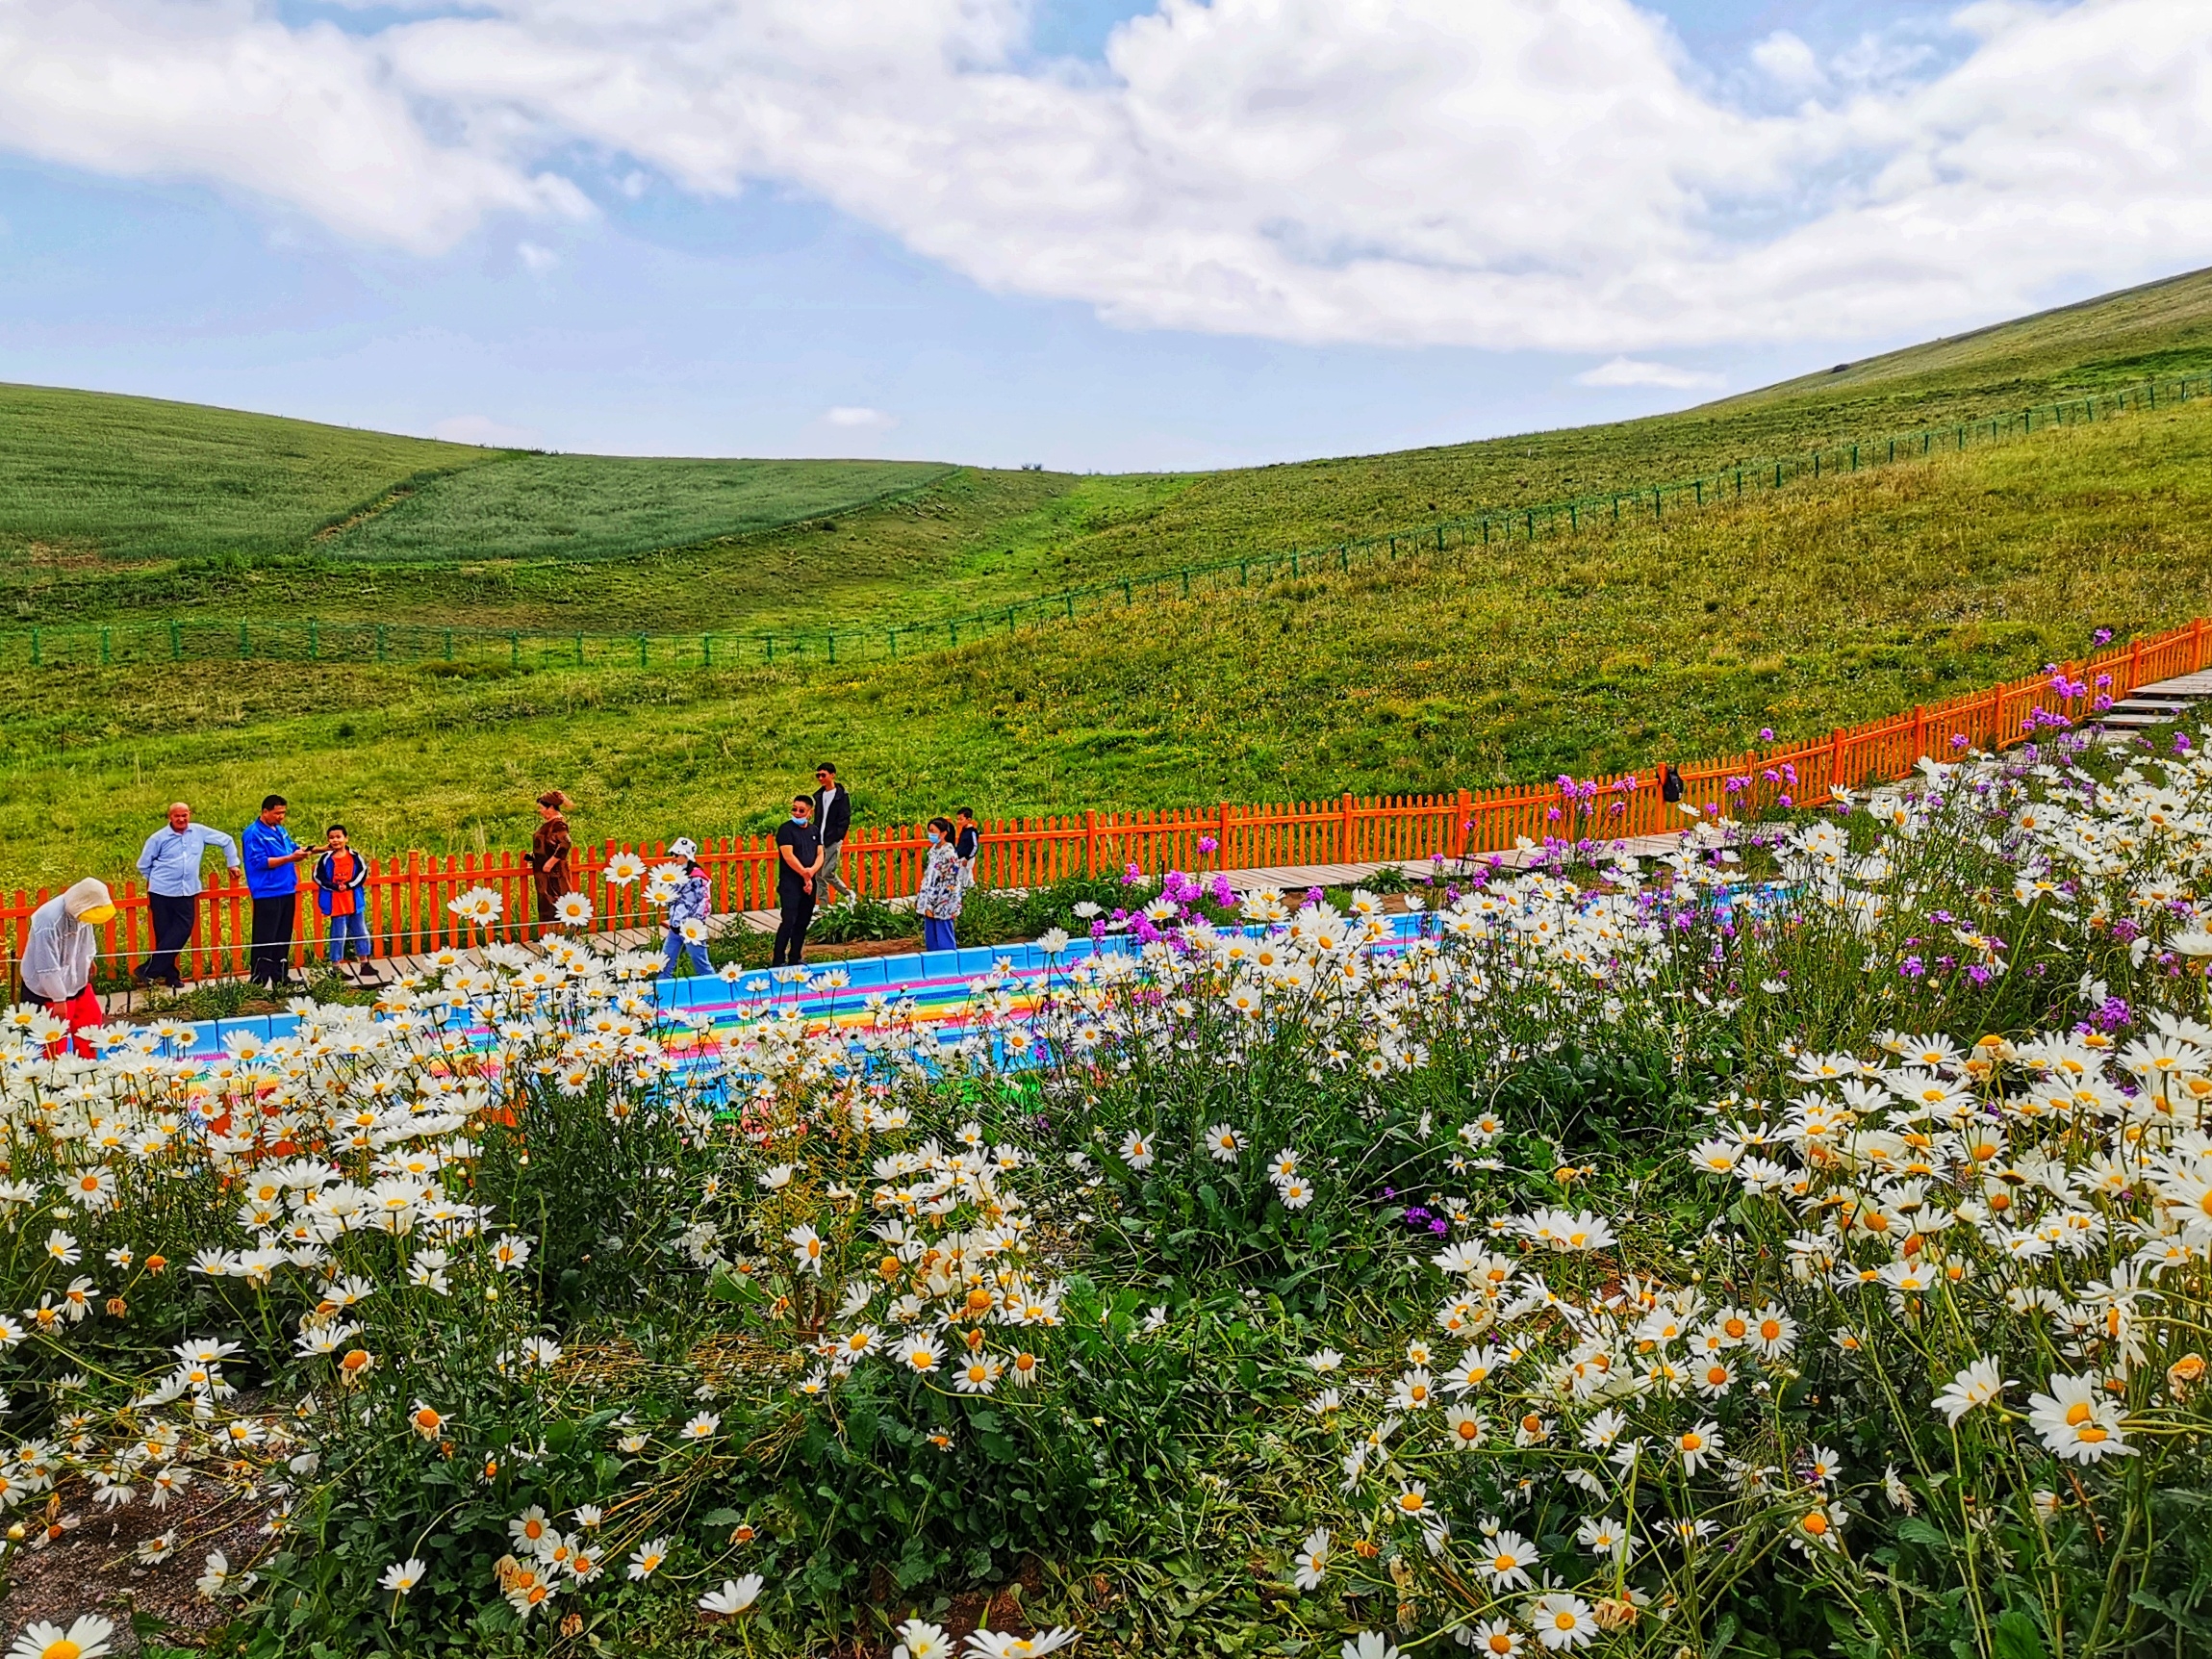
(58, 957)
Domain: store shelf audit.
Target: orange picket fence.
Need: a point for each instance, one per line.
(408, 897)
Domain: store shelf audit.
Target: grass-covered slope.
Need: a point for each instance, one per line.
(87, 477)
(1823, 604)
(601, 506)
(103, 497)
(780, 546)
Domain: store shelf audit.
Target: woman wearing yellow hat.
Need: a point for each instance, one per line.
(58, 957)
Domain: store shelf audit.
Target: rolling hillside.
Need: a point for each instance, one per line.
(1829, 601)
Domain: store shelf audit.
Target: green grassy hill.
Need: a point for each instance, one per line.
(605, 507)
(103, 497)
(1826, 601)
(87, 479)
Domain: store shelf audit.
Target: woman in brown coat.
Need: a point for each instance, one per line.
(548, 858)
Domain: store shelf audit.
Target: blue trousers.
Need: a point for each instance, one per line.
(679, 946)
(937, 936)
(345, 929)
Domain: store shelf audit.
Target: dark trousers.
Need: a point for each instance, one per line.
(791, 936)
(172, 919)
(269, 962)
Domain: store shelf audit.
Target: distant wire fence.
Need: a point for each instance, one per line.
(416, 903)
(313, 640)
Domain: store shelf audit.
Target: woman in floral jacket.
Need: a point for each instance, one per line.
(939, 901)
(689, 907)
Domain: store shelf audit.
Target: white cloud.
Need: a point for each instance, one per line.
(1788, 60)
(856, 418)
(535, 259)
(1503, 173)
(1634, 372)
(307, 116)
(483, 429)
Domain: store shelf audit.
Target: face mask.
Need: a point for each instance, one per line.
(799, 818)
(935, 837)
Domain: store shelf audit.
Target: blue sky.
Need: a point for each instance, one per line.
(660, 313)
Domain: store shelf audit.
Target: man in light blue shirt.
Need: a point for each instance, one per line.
(171, 863)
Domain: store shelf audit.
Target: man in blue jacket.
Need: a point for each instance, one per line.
(271, 876)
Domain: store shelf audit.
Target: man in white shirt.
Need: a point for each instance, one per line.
(171, 863)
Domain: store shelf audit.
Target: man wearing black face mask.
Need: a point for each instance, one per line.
(798, 862)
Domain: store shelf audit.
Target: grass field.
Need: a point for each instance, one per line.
(593, 506)
(1826, 603)
(87, 479)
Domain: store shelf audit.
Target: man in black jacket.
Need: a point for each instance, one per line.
(832, 817)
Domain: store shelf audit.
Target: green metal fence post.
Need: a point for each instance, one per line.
(37, 657)
(314, 640)
(449, 644)
(833, 639)
(579, 651)
(706, 648)
(1698, 484)
(244, 642)
(383, 642)
(641, 652)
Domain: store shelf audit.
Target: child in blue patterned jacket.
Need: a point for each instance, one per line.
(690, 908)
